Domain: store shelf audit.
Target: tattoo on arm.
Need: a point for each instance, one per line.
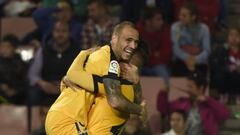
(137, 93)
(117, 100)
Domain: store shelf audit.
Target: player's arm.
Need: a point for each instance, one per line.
(78, 76)
(117, 100)
(137, 93)
(138, 100)
(130, 72)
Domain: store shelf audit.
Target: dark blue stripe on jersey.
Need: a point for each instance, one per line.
(81, 124)
(85, 61)
(112, 57)
(112, 76)
(96, 79)
(126, 82)
(115, 130)
(78, 129)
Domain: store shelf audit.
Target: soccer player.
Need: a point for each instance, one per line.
(70, 108)
(102, 118)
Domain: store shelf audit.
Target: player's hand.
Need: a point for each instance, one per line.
(190, 63)
(90, 50)
(93, 49)
(129, 72)
(70, 84)
(201, 98)
(8, 90)
(165, 87)
(66, 82)
(48, 87)
(143, 115)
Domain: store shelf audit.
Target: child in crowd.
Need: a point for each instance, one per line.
(178, 123)
(226, 67)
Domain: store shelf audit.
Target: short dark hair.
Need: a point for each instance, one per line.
(181, 112)
(150, 12)
(119, 27)
(68, 2)
(199, 78)
(12, 39)
(99, 2)
(234, 27)
(192, 8)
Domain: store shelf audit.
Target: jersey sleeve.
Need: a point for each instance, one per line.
(113, 68)
(79, 76)
(104, 65)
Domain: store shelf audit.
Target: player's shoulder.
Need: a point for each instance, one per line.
(104, 51)
(101, 56)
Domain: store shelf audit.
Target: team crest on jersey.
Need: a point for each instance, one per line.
(113, 68)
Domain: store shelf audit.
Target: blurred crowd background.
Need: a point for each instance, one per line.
(40, 39)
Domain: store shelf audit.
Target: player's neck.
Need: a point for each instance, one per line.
(114, 49)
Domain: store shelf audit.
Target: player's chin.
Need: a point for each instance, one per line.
(126, 57)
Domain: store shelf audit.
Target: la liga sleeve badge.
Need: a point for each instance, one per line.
(113, 67)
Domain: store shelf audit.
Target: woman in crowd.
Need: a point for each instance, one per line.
(204, 113)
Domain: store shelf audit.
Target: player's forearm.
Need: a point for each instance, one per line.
(129, 107)
(137, 93)
(82, 79)
(85, 84)
(117, 100)
(78, 75)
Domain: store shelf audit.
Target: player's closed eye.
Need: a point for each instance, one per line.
(129, 40)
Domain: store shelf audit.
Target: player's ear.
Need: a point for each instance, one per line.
(114, 39)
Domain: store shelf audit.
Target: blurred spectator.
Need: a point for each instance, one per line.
(204, 113)
(225, 66)
(18, 8)
(131, 10)
(224, 9)
(51, 63)
(218, 37)
(2, 4)
(42, 116)
(233, 73)
(33, 36)
(156, 34)
(178, 123)
(79, 7)
(12, 71)
(209, 11)
(99, 26)
(167, 8)
(219, 28)
(191, 42)
(45, 18)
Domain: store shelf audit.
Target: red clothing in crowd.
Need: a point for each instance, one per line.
(234, 57)
(212, 113)
(159, 43)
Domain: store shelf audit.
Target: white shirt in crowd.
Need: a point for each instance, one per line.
(171, 132)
